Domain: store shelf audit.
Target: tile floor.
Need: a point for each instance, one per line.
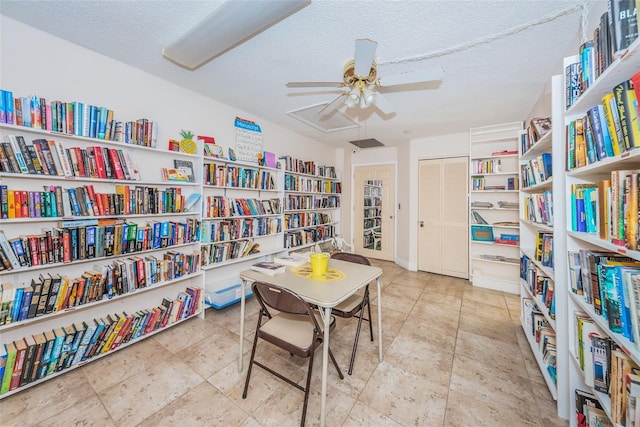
(454, 355)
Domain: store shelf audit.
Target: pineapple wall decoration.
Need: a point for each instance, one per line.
(187, 144)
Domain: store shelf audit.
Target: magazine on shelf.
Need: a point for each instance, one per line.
(270, 268)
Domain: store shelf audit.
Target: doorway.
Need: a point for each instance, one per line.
(443, 220)
(374, 211)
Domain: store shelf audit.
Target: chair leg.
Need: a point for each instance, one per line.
(333, 359)
(370, 318)
(355, 342)
(306, 390)
(253, 353)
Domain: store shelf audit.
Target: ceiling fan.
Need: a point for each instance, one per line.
(361, 78)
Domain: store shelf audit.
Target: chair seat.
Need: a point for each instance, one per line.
(292, 332)
(349, 306)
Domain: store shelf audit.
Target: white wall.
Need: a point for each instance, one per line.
(453, 145)
(35, 63)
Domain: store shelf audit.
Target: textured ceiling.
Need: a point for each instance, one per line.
(497, 56)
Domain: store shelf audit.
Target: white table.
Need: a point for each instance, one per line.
(324, 294)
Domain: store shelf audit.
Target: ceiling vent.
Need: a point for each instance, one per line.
(367, 143)
(326, 123)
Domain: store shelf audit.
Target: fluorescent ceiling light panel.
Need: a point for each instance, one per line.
(234, 22)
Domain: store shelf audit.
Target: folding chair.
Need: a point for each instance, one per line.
(354, 305)
(292, 325)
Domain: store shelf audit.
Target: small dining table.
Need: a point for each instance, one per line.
(342, 280)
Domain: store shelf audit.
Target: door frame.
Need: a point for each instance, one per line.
(395, 202)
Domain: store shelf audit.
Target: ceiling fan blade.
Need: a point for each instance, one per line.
(333, 105)
(315, 84)
(383, 104)
(364, 56)
(419, 76)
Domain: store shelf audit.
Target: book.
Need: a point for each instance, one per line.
(186, 166)
(270, 268)
(173, 174)
(12, 352)
(623, 25)
(290, 260)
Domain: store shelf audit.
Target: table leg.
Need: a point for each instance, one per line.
(379, 285)
(326, 317)
(243, 285)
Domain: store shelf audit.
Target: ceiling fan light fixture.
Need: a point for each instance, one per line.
(367, 98)
(353, 97)
(234, 22)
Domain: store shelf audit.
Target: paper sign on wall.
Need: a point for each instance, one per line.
(248, 140)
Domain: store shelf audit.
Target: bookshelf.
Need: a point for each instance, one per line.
(494, 231)
(311, 203)
(242, 217)
(537, 277)
(113, 248)
(577, 242)
(372, 218)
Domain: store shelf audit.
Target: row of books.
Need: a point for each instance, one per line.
(544, 248)
(610, 283)
(218, 252)
(608, 208)
(311, 185)
(536, 326)
(51, 294)
(608, 370)
(486, 166)
(78, 240)
(55, 201)
(301, 202)
(616, 31)
(74, 118)
(226, 175)
(225, 207)
(305, 219)
(308, 167)
(49, 157)
(589, 411)
(608, 129)
(233, 229)
(308, 236)
(536, 171)
(540, 285)
(538, 208)
(36, 356)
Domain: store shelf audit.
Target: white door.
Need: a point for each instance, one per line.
(374, 211)
(443, 227)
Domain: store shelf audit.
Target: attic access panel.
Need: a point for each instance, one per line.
(367, 143)
(331, 122)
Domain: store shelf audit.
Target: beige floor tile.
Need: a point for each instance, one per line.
(89, 412)
(203, 404)
(141, 395)
(44, 400)
(126, 362)
(464, 411)
(362, 415)
(406, 398)
(213, 353)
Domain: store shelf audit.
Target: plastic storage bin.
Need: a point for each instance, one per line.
(225, 297)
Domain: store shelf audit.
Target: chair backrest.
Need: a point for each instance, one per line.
(281, 299)
(349, 257)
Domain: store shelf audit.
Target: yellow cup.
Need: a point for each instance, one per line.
(319, 263)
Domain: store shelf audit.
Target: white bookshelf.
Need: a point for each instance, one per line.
(493, 197)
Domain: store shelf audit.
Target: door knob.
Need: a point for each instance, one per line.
(421, 223)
